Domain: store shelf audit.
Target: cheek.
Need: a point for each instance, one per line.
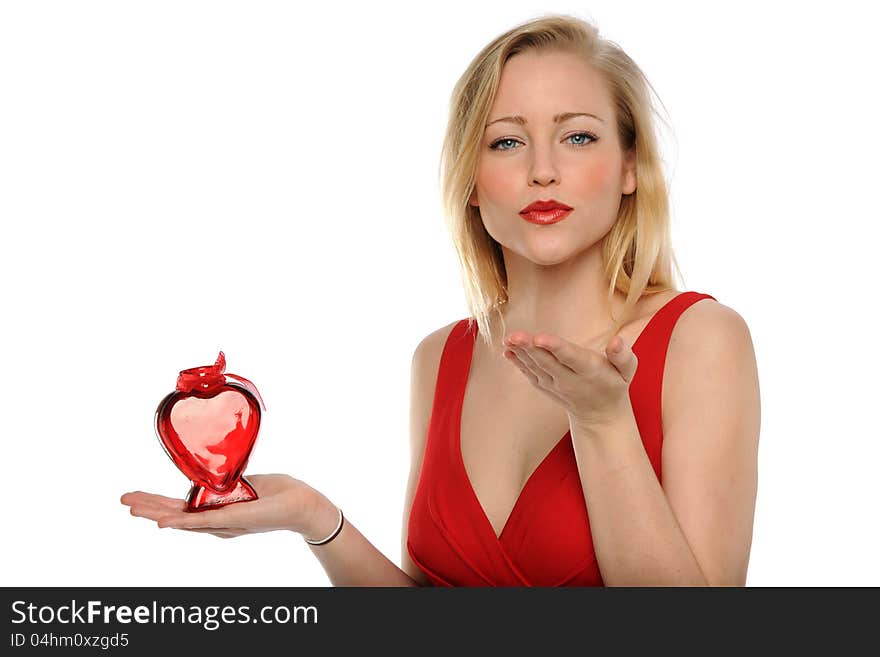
(499, 188)
(498, 184)
(598, 178)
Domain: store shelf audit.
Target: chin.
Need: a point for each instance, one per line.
(551, 251)
(544, 249)
(549, 257)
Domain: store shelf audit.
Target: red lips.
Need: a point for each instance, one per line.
(545, 206)
(544, 213)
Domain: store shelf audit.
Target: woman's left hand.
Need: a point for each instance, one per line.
(593, 387)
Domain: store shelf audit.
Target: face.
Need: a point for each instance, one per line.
(578, 161)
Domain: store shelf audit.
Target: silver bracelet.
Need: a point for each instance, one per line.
(332, 535)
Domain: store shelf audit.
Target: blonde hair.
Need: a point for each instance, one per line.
(637, 251)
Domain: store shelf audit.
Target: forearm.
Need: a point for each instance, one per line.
(350, 559)
(637, 538)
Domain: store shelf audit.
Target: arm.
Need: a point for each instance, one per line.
(284, 503)
(696, 530)
(350, 559)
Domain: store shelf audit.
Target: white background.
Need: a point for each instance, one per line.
(178, 178)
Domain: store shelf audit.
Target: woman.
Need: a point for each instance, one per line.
(556, 201)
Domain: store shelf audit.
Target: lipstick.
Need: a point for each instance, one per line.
(545, 212)
(544, 218)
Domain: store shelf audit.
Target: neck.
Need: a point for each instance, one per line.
(569, 299)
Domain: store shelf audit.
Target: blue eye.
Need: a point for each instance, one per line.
(494, 145)
(583, 134)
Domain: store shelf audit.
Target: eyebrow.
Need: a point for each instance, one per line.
(559, 118)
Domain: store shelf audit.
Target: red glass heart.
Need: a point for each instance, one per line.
(208, 427)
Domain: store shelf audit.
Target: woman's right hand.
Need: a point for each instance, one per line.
(283, 503)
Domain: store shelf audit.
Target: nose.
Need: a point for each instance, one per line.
(543, 180)
(543, 171)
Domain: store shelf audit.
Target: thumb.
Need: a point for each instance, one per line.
(622, 357)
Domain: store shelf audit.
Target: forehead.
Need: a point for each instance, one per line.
(548, 82)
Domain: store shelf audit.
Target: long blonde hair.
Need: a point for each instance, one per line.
(637, 251)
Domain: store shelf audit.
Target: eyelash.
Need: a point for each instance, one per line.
(494, 144)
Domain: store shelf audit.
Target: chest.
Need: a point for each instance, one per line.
(507, 429)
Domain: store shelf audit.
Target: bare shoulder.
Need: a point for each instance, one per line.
(429, 350)
(707, 324)
(709, 340)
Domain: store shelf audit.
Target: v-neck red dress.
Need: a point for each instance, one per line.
(546, 540)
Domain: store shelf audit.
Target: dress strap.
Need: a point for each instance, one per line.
(659, 330)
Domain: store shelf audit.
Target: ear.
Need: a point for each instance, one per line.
(473, 199)
(630, 180)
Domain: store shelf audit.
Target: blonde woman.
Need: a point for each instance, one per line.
(557, 205)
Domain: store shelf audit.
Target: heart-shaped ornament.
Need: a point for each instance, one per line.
(208, 427)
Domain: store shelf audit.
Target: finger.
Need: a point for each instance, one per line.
(545, 377)
(567, 354)
(548, 390)
(154, 512)
(183, 521)
(219, 533)
(522, 344)
(161, 502)
(513, 358)
(547, 361)
(212, 518)
(527, 362)
(621, 355)
(150, 512)
(133, 497)
(157, 503)
(157, 510)
(140, 497)
(516, 338)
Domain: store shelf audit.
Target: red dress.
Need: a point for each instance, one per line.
(546, 540)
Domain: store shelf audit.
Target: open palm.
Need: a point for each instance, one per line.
(283, 503)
